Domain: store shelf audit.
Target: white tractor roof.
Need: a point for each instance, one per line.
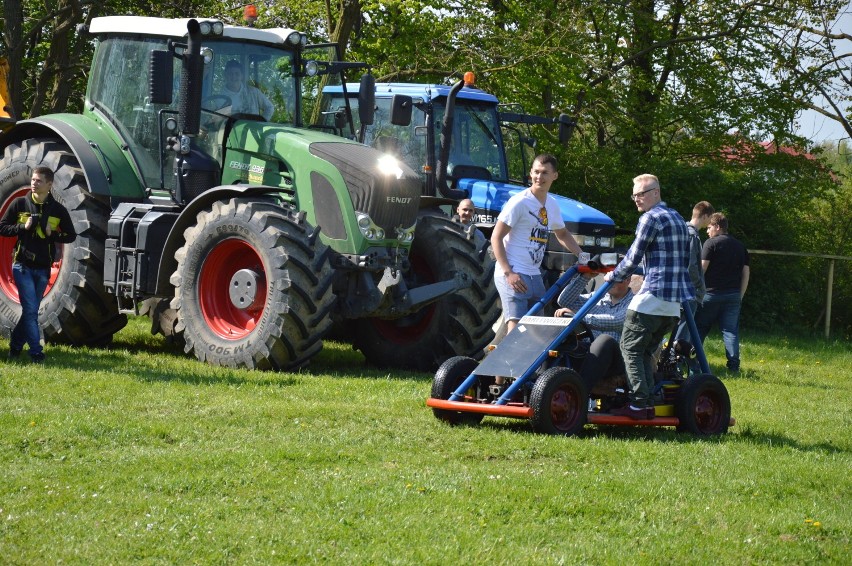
(165, 27)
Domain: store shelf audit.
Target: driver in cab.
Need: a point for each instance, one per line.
(240, 98)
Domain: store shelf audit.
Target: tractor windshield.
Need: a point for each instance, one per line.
(476, 139)
(251, 79)
(262, 85)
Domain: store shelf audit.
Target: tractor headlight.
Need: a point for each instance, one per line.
(389, 165)
(311, 68)
(368, 228)
(405, 235)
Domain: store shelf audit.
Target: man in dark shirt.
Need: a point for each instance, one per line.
(726, 273)
(39, 222)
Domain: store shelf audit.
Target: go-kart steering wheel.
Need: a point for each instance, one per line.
(585, 331)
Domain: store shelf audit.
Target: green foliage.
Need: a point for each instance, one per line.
(139, 454)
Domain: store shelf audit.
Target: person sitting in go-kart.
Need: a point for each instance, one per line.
(605, 320)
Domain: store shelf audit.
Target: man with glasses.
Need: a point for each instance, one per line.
(662, 247)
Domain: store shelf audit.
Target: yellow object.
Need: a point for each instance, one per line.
(5, 112)
(664, 410)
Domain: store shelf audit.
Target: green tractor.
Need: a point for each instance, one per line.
(231, 216)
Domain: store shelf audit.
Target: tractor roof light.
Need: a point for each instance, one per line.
(211, 27)
(469, 79)
(297, 38)
(250, 14)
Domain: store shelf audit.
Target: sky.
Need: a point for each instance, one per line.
(813, 125)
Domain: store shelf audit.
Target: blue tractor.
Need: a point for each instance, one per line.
(463, 144)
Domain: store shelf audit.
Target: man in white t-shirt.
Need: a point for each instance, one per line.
(245, 99)
(519, 241)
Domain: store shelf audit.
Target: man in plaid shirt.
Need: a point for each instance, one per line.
(662, 246)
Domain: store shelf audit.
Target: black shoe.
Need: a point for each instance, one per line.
(14, 354)
(38, 358)
(635, 413)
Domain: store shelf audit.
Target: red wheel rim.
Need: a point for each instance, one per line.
(221, 315)
(7, 246)
(564, 408)
(410, 328)
(708, 412)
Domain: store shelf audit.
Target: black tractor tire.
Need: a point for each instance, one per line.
(560, 402)
(264, 247)
(163, 318)
(76, 308)
(460, 324)
(449, 376)
(703, 406)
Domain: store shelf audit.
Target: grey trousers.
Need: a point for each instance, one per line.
(640, 338)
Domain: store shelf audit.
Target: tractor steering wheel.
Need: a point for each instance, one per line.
(210, 101)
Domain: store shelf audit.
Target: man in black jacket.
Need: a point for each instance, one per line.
(39, 222)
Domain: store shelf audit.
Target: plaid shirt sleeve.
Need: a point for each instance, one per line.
(570, 296)
(646, 230)
(606, 318)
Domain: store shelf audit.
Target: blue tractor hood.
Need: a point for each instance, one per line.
(489, 197)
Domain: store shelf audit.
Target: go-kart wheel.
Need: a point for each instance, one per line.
(449, 376)
(703, 406)
(559, 402)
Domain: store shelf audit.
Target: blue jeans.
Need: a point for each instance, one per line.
(31, 282)
(515, 304)
(724, 309)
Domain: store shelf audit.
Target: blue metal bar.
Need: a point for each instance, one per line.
(551, 294)
(696, 338)
(554, 290)
(575, 322)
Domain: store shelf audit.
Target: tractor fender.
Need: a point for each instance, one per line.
(187, 218)
(107, 169)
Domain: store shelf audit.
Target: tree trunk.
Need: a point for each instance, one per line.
(13, 15)
(641, 96)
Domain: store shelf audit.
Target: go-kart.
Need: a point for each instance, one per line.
(538, 363)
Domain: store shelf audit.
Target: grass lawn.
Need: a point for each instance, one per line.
(141, 454)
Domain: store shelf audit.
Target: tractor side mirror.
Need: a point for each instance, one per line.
(566, 128)
(161, 77)
(401, 110)
(367, 100)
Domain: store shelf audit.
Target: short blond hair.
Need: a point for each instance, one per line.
(647, 180)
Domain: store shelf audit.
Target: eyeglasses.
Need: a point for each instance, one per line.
(635, 196)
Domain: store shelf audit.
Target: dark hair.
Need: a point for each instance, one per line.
(719, 219)
(547, 159)
(703, 208)
(233, 64)
(45, 172)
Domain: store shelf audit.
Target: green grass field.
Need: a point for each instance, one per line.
(141, 454)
